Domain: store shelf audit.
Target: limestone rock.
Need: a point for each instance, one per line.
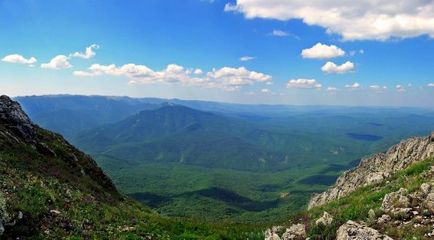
(378, 167)
(296, 231)
(425, 188)
(4, 216)
(14, 117)
(355, 231)
(397, 199)
(325, 220)
(384, 219)
(429, 202)
(270, 235)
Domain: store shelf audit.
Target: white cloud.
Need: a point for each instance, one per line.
(303, 83)
(353, 86)
(331, 89)
(279, 33)
(234, 78)
(265, 90)
(16, 58)
(400, 88)
(58, 62)
(331, 67)
(89, 52)
(377, 88)
(198, 71)
(230, 7)
(226, 78)
(353, 20)
(430, 85)
(322, 51)
(246, 58)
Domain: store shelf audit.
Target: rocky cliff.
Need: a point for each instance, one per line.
(376, 168)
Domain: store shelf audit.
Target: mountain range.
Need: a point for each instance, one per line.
(51, 190)
(180, 156)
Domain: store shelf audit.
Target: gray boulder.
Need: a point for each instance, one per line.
(355, 231)
(296, 231)
(398, 199)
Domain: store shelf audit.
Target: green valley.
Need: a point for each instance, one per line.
(252, 163)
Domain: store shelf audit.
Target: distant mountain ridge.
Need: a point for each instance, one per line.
(70, 114)
(175, 133)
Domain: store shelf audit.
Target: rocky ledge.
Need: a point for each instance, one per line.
(377, 168)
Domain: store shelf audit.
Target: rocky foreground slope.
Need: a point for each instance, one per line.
(388, 196)
(51, 190)
(378, 167)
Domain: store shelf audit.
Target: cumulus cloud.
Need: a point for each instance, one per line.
(58, 62)
(332, 89)
(322, 51)
(265, 90)
(16, 58)
(246, 58)
(303, 83)
(353, 86)
(331, 67)
(353, 20)
(89, 52)
(226, 78)
(400, 88)
(234, 78)
(198, 71)
(430, 85)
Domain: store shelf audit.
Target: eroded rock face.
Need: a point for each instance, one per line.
(355, 231)
(15, 118)
(378, 167)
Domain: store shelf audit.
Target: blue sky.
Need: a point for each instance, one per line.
(193, 49)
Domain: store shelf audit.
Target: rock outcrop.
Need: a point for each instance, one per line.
(14, 117)
(377, 168)
(295, 231)
(325, 220)
(356, 231)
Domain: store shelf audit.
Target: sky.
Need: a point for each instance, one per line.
(297, 52)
